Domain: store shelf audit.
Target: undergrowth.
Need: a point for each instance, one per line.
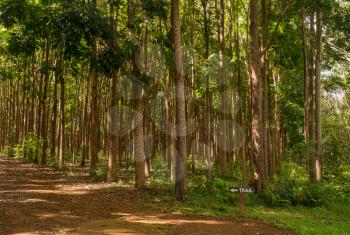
(288, 200)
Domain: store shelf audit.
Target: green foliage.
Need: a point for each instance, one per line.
(110, 60)
(22, 44)
(291, 187)
(336, 129)
(292, 104)
(99, 173)
(336, 150)
(160, 170)
(18, 150)
(312, 195)
(156, 8)
(333, 220)
(215, 198)
(289, 200)
(31, 148)
(9, 151)
(12, 11)
(52, 163)
(160, 176)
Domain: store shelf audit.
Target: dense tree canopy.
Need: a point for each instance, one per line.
(217, 88)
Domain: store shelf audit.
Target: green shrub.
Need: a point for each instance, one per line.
(198, 182)
(159, 178)
(9, 151)
(99, 173)
(218, 185)
(31, 148)
(312, 195)
(68, 156)
(52, 162)
(160, 170)
(18, 150)
(291, 187)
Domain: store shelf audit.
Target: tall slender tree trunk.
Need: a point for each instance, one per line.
(95, 128)
(85, 126)
(63, 116)
(113, 128)
(138, 136)
(257, 132)
(137, 90)
(318, 150)
(181, 153)
(113, 135)
(191, 108)
(208, 95)
(147, 110)
(223, 106)
(306, 86)
(44, 110)
(264, 78)
(95, 125)
(312, 98)
(54, 119)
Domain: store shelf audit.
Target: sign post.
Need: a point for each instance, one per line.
(242, 191)
(241, 203)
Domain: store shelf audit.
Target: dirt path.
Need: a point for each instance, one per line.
(34, 200)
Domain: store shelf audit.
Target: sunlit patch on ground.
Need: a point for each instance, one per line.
(37, 200)
(171, 224)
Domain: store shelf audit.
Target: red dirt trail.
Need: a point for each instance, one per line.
(36, 200)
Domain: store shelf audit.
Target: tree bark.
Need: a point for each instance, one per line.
(223, 105)
(113, 114)
(257, 133)
(137, 90)
(95, 125)
(306, 87)
(181, 153)
(318, 150)
(208, 95)
(264, 78)
(44, 110)
(113, 137)
(63, 116)
(311, 58)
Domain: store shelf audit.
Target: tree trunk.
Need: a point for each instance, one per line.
(264, 78)
(222, 83)
(113, 115)
(63, 117)
(312, 99)
(318, 150)
(208, 95)
(257, 133)
(44, 111)
(86, 125)
(54, 119)
(137, 90)
(306, 87)
(113, 137)
(95, 125)
(181, 153)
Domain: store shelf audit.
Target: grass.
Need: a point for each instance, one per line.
(214, 199)
(305, 221)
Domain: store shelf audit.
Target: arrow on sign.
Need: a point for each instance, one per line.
(242, 190)
(234, 190)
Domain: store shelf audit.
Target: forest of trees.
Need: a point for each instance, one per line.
(225, 89)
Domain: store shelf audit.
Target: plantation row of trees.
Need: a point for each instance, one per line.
(203, 85)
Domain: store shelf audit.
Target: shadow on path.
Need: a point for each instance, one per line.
(36, 200)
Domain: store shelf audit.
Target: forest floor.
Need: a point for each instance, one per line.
(36, 200)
